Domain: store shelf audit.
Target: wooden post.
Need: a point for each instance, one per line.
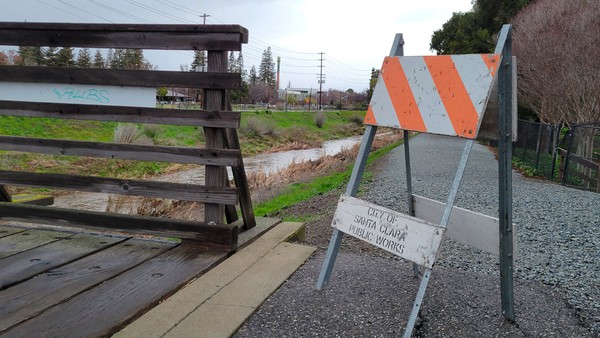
(4, 195)
(214, 99)
(241, 182)
(239, 176)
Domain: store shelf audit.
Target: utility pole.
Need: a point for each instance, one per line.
(321, 78)
(278, 65)
(204, 16)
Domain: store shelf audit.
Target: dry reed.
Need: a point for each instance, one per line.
(262, 186)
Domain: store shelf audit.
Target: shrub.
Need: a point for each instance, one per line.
(320, 119)
(129, 133)
(356, 119)
(257, 127)
(152, 130)
(346, 129)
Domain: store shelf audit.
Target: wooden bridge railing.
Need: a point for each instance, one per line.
(219, 123)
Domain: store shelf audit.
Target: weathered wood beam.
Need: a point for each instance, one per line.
(214, 157)
(182, 117)
(218, 236)
(215, 137)
(241, 182)
(143, 36)
(176, 191)
(120, 77)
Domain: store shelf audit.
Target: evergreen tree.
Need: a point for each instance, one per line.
(98, 60)
(253, 78)
(109, 58)
(266, 69)
(462, 34)
(231, 63)
(51, 57)
(133, 59)
(473, 31)
(372, 83)
(30, 56)
(84, 58)
(236, 65)
(199, 62)
(118, 59)
(240, 66)
(65, 57)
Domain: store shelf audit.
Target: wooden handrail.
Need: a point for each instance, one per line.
(143, 36)
(120, 77)
(129, 187)
(215, 236)
(182, 117)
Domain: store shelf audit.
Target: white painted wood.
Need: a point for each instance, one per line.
(465, 226)
(408, 237)
(78, 94)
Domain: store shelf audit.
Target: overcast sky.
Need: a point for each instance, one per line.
(354, 35)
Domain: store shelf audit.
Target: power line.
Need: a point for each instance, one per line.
(253, 51)
(158, 11)
(341, 64)
(114, 10)
(60, 9)
(180, 7)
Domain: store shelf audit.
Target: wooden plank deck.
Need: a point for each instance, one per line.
(62, 284)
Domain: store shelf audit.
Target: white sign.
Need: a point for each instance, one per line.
(78, 94)
(465, 226)
(408, 237)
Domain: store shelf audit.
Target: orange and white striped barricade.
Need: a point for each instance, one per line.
(444, 95)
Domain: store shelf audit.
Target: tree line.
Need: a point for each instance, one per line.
(259, 85)
(556, 43)
(66, 57)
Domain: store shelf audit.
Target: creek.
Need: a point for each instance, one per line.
(268, 163)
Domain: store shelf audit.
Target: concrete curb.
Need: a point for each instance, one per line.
(219, 302)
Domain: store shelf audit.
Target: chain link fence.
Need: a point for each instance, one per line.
(569, 156)
(536, 146)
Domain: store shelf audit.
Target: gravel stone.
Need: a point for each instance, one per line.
(557, 269)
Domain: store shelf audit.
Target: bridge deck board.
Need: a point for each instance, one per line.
(58, 284)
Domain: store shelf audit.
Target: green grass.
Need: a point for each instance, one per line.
(289, 126)
(299, 192)
(56, 128)
(305, 120)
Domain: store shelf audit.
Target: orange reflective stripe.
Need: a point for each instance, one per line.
(454, 95)
(370, 117)
(401, 95)
(492, 61)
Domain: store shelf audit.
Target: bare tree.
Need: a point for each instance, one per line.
(557, 43)
(3, 58)
(260, 92)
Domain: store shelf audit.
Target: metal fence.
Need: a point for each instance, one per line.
(569, 156)
(580, 157)
(536, 146)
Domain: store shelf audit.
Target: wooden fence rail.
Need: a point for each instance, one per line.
(219, 122)
(585, 163)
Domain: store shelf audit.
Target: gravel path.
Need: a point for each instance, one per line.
(557, 270)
